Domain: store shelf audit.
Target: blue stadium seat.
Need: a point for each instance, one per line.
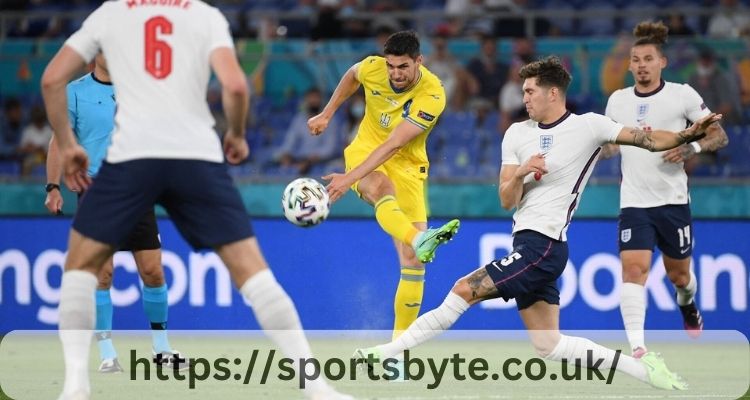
(10, 168)
(607, 168)
(694, 22)
(278, 122)
(567, 26)
(638, 11)
(457, 126)
(459, 157)
(428, 4)
(456, 162)
(598, 26)
(737, 151)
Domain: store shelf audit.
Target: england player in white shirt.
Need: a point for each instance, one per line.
(654, 199)
(164, 150)
(561, 149)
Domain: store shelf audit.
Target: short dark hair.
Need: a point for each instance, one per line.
(402, 43)
(549, 73)
(654, 33)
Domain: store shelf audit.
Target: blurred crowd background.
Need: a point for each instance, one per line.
(294, 52)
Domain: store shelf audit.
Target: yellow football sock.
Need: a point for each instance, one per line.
(408, 298)
(394, 221)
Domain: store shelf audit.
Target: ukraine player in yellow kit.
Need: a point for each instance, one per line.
(386, 163)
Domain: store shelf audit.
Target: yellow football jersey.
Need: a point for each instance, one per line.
(386, 107)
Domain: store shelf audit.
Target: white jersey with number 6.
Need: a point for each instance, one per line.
(571, 146)
(158, 56)
(647, 180)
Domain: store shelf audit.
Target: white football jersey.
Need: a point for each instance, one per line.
(158, 56)
(571, 147)
(647, 180)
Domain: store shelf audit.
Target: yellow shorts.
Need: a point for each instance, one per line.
(408, 179)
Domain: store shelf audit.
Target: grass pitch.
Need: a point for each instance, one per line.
(504, 366)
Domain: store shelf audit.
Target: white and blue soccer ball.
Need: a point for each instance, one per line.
(305, 202)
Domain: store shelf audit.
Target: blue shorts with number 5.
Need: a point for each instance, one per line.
(529, 273)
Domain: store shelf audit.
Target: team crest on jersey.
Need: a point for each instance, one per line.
(385, 120)
(545, 143)
(642, 111)
(625, 235)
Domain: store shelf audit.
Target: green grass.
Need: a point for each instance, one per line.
(31, 368)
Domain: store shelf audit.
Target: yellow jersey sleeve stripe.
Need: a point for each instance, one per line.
(417, 123)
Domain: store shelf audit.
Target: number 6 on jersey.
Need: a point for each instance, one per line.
(158, 53)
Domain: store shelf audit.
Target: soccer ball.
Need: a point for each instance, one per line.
(305, 202)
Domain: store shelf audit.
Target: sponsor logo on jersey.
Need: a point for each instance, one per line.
(545, 143)
(391, 101)
(425, 116)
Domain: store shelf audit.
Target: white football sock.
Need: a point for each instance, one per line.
(633, 310)
(685, 295)
(278, 317)
(77, 315)
(427, 326)
(570, 348)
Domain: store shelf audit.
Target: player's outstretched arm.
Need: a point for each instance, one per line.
(56, 76)
(716, 138)
(346, 87)
(659, 140)
(401, 135)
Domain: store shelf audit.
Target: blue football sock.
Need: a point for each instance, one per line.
(155, 305)
(104, 325)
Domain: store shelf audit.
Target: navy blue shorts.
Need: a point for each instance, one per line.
(145, 235)
(667, 227)
(529, 273)
(199, 196)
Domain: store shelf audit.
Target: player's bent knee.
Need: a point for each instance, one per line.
(152, 275)
(462, 288)
(104, 279)
(375, 187)
(679, 278)
(634, 273)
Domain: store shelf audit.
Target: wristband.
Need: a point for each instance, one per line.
(696, 147)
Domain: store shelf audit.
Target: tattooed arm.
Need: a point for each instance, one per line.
(716, 138)
(479, 285)
(659, 140)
